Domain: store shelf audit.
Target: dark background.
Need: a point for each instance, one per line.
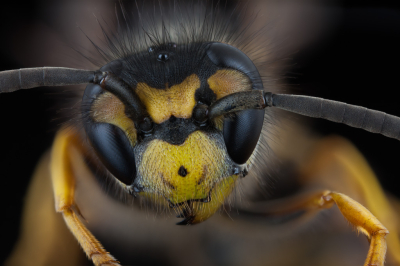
(358, 63)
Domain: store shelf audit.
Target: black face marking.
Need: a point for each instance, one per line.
(182, 171)
(180, 61)
(205, 95)
(172, 119)
(174, 131)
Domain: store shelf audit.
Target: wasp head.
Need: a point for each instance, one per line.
(149, 124)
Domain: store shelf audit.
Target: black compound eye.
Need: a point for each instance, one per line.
(241, 133)
(114, 150)
(109, 142)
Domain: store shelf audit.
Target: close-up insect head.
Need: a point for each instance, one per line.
(200, 132)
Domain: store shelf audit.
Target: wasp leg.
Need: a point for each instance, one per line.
(64, 155)
(337, 165)
(44, 239)
(364, 221)
(354, 212)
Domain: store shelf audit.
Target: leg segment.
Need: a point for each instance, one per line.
(88, 242)
(364, 221)
(44, 239)
(64, 158)
(358, 216)
(336, 164)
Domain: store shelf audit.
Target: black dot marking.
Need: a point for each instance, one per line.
(182, 171)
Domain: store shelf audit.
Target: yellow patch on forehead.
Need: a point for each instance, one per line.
(228, 81)
(177, 100)
(107, 108)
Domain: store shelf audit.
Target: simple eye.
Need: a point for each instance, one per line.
(241, 133)
(110, 143)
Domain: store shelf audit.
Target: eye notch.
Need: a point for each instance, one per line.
(111, 143)
(241, 132)
(200, 114)
(134, 108)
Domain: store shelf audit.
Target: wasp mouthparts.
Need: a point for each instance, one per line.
(187, 213)
(187, 221)
(187, 209)
(189, 202)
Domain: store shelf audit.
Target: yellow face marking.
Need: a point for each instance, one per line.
(228, 81)
(107, 108)
(203, 159)
(203, 211)
(177, 100)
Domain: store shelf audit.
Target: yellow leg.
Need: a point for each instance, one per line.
(358, 216)
(364, 221)
(44, 239)
(64, 154)
(336, 164)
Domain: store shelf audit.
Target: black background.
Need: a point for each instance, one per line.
(359, 63)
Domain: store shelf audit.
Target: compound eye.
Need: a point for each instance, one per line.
(114, 151)
(241, 133)
(109, 142)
